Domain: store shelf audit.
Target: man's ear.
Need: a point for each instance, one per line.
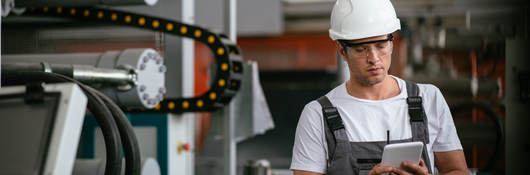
(341, 50)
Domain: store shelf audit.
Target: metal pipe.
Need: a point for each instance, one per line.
(92, 75)
(83, 73)
(228, 113)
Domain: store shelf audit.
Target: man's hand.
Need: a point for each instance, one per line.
(380, 169)
(416, 169)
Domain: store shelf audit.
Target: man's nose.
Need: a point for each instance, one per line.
(372, 55)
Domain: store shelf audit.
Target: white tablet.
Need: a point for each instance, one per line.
(394, 154)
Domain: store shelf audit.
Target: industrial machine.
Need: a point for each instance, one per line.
(134, 79)
(40, 128)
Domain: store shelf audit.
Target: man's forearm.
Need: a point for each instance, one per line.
(451, 162)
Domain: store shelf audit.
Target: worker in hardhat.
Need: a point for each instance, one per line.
(345, 131)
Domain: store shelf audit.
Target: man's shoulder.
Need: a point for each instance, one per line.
(332, 94)
(313, 104)
(424, 89)
(428, 89)
(431, 95)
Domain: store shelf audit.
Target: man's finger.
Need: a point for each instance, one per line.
(422, 163)
(383, 169)
(401, 172)
(412, 166)
(379, 169)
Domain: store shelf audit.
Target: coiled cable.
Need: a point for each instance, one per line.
(95, 105)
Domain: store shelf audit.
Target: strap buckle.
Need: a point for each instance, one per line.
(333, 118)
(415, 108)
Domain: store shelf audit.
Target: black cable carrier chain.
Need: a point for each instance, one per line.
(229, 66)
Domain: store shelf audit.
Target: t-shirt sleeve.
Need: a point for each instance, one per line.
(309, 151)
(447, 138)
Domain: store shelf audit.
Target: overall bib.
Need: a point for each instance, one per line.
(345, 157)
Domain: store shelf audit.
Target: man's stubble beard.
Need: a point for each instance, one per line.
(367, 82)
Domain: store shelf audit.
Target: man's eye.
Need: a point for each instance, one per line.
(358, 49)
(382, 45)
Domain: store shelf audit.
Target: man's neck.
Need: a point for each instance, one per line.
(385, 89)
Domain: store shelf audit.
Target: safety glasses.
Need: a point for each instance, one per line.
(362, 50)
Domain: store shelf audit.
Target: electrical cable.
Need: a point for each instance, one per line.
(128, 137)
(95, 105)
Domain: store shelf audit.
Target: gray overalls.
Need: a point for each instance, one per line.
(347, 157)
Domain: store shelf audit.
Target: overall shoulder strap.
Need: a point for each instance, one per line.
(330, 114)
(414, 102)
(332, 123)
(418, 119)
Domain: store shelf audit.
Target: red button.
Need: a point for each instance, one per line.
(186, 146)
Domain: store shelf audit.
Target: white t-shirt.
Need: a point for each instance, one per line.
(369, 120)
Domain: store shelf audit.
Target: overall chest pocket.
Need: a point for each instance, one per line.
(363, 156)
(364, 165)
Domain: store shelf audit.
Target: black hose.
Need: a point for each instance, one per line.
(131, 148)
(127, 135)
(133, 161)
(499, 125)
(95, 104)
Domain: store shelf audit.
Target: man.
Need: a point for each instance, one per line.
(345, 131)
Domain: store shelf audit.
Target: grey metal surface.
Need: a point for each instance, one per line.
(78, 58)
(92, 75)
(41, 3)
(254, 17)
(228, 113)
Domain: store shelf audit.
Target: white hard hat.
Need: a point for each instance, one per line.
(357, 19)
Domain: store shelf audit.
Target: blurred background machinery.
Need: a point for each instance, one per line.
(46, 38)
(474, 50)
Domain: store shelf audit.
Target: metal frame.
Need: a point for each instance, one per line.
(228, 112)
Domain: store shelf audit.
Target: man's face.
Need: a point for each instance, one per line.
(369, 62)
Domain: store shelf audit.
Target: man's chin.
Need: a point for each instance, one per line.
(374, 80)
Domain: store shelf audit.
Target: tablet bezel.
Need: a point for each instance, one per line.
(395, 154)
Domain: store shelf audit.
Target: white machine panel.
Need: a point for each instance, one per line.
(42, 137)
